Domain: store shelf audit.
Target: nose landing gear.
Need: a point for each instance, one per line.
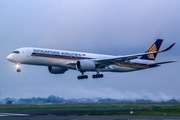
(18, 70)
(18, 67)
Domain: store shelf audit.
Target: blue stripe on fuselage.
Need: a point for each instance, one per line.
(59, 56)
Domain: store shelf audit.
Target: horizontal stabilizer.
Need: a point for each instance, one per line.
(154, 64)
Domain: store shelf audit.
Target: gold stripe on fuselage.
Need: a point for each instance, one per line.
(123, 64)
(133, 65)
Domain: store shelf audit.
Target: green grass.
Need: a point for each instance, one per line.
(95, 109)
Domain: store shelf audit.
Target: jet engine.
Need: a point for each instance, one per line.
(85, 65)
(56, 70)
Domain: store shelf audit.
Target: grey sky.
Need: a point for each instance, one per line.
(115, 27)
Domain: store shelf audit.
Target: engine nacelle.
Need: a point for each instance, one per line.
(85, 65)
(57, 70)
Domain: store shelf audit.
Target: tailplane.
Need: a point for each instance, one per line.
(155, 47)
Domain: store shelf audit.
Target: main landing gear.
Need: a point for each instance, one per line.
(82, 76)
(98, 75)
(18, 67)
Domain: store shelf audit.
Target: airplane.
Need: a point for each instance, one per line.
(59, 61)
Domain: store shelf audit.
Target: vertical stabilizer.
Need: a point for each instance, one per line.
(155, 47)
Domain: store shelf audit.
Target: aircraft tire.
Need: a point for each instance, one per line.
(101, 75)
(18, 70)
(82, 77)
(98, 76)
(94, 76)
(79, 77)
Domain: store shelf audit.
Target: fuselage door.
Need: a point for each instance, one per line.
(28, 53)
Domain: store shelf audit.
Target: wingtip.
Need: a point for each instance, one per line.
(172, 45)
(168, 48)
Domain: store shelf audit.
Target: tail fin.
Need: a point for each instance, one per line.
(155, 47)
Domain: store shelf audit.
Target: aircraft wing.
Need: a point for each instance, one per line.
(123, 58)
(128, 57)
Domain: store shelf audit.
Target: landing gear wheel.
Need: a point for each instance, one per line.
(98, 76)
(82, 77)
(94, 76)
(18, 70)
(79, 77)
(101, 75)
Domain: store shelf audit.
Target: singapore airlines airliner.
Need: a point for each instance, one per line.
(59, 61)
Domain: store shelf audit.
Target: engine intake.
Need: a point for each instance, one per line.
(56, 70)
(85, 65)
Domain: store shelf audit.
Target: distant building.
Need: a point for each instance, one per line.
(10, 102)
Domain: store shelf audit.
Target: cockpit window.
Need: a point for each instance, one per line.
(17, 52)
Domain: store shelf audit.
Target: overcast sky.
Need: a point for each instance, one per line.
(117, 27)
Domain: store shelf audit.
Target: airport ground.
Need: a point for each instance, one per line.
(114, 111)
(92, 118)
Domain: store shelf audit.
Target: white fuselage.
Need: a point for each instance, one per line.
(68, 59)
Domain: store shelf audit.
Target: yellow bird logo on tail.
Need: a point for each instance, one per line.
(152, 49)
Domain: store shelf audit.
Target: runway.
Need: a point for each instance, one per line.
(11, 116)
(119, 111)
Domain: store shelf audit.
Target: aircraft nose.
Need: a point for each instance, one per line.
(10, 57)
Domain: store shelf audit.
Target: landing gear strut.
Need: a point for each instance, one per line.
(18, 67)
(82, 76)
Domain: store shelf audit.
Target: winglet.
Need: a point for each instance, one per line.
(167, 48)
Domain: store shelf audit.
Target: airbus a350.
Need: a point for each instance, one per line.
(59, 61)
